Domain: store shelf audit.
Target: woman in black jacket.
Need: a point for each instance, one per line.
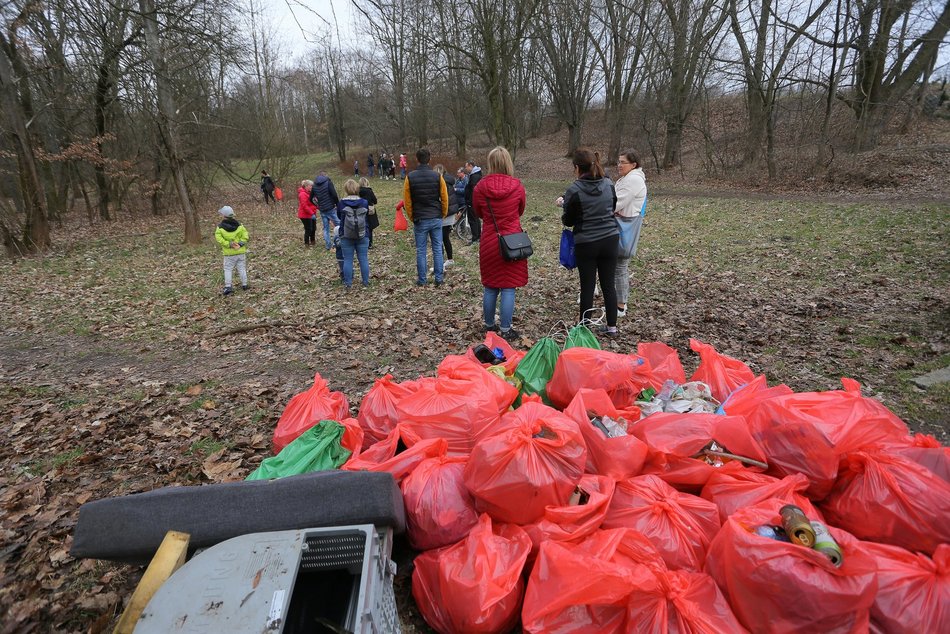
(588, 207)
(372, 220)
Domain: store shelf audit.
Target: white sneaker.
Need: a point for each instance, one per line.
(621, 313)
(448, 263)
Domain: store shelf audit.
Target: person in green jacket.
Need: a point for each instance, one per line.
(232, 236)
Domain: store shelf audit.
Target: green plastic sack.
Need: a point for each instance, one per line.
(317, 449)
(581, 337)
(535, 369)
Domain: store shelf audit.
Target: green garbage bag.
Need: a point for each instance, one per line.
(536, 368)
(581, 337)
(317, 449)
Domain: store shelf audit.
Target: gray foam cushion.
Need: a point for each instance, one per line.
(131, 528)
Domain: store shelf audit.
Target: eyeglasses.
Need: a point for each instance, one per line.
(624, 162)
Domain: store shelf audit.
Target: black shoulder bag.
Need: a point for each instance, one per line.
(514, 246)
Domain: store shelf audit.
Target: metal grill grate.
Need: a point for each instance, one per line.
(331, 552)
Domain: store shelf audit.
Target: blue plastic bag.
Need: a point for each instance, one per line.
(566, 255)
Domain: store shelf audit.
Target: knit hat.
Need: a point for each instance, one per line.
(226, 211)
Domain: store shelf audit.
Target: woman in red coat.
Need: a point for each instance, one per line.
(501, 195)
(307, 212)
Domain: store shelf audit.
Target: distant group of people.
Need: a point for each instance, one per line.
(384, 167)
(605, 219)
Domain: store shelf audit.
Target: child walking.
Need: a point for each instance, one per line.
(233, 238)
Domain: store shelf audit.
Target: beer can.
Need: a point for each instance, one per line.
(825, 543)
(797, 526)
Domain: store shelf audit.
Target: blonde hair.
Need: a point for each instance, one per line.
(364, 182)
(499, 162)
(306, 183)
(351, 187)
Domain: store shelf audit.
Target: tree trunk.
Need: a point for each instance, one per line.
(674, 141)
(36, 225)
(166, 120)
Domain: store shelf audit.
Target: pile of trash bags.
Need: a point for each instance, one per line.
(573, 489)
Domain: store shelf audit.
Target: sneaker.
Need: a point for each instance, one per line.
(621, 312)
(607, 331)
(418, 283)
(439, 283)
(492, 328)
(227, 290)
(246, 287)
(510, 335)
(448, 263)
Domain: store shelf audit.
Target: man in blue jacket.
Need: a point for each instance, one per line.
(426, 202)
(323, 195)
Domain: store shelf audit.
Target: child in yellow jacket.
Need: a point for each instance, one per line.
(233, 238)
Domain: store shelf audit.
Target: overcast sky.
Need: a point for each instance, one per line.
(297, 21)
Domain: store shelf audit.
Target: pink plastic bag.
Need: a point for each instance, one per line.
(385, 456)
(377, 415)
(482, 381)
(734, 487)
(307, 409)
(890, 499)
(674, 438)
(618, 458)
(439, 509)
(721, 373)
(664, 360)
(680, 525)
(622, 376)
(913, 594)
(476, 585)
(781, 587)
(572, 523)
(534, 462)
(461, 412)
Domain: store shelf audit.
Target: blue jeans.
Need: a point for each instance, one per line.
(328, 217)
(507, 309)
(360, 247)
(422, 229)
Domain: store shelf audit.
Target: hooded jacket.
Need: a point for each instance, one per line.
(507, 198)
(589, 205)
(324, 194)
(305, 208)
(631, 193)
(228, 231)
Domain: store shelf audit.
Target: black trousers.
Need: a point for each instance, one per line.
(447, 241)
(595, 259)
(309, 229)
(268, 196)
(476, 223)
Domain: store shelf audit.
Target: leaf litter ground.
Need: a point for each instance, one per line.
(122, 369)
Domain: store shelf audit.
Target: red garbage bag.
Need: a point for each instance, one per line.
(352, 437)
(776, 586)
(664, 361)
(533, 462)
(615, 582)
(680, 525)
(461, 412)
(618, 458)
(890, 499)
(391, 455)
(680, 602)
(913, 594)
(573, 522)
(674, 438)
(721, 373)
(475, 585)
(400, 224)
(622, 376)
(746, 399)
(278, 194)
(377, 415)
(927, 451)
(583, 588)
(439, 509)
(492, 341)
(463, 369)
(307, 409)
(849, 421)
(734, 487)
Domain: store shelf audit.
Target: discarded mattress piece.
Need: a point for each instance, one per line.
(131, 528)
